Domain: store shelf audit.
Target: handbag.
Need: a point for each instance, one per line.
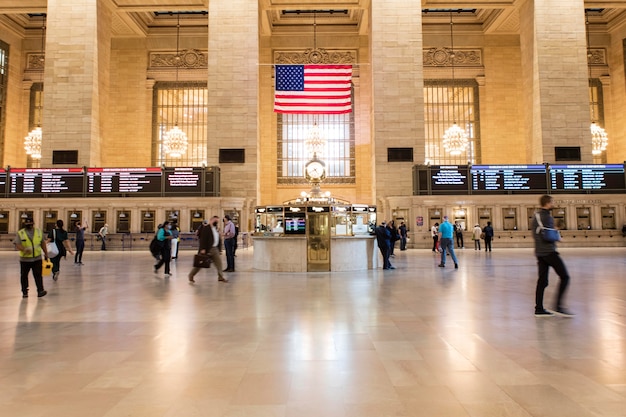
(46, 267)
(482, 235)
(52, 248)
(202, 260)
(548, 234)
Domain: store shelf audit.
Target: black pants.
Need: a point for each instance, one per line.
(385, 251)
(435, 240)
(229, 246)
(487, 243)
(80, 248)
(544, 263)
(166, 256)
(459, 240)
(25, 268)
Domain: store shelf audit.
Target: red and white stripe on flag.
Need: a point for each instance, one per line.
(313, 89)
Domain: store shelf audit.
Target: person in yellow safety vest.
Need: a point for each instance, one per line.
(30, 242)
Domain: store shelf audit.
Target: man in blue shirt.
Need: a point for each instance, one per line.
(446, 230)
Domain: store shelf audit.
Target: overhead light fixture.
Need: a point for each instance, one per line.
(175, 140)
(599, 137)
(455, 139)
(32, 142)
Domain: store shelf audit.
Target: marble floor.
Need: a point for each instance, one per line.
(114, 339)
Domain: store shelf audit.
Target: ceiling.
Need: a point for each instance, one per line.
(138, 18)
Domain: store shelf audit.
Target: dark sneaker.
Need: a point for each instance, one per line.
(55, 276)
(563, 312)
(543, 313)
(456, 266)
(442, 265)
(42, 293)
(25, 295)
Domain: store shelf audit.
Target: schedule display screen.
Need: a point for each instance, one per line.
(37, 182)
(449, 178)
(587, 178)
(124, 181)
(3, 182)
(509, 178)
(183, 181)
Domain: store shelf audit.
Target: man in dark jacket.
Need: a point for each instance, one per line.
(383, 238)
(209, 242)
(547, 257)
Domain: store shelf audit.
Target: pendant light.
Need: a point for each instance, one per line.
(455, 139)
(175, 140)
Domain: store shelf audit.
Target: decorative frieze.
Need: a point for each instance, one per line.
(189, 58)
(442, 57)
(314, 56)
(596, 56)
(35, 61)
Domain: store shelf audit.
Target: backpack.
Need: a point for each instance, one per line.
(155, 247)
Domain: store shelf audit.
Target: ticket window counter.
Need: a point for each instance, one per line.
(50, 220)
(147, 221)
(98, 220)
(434, 216)
(560, 217)
(509, 218)
(269, 220)
(363, 219)
(4, 222)
(74, 217)
(460, 218)
(197, 217)
(171, 215)
(341, 222)
(583, 218)
(608, 218)
(318, 239)
(24, 214)
(531, 216)
(295, 221)
(123, 221)
(484, 216)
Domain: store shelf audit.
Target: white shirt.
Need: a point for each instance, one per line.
(216, 236)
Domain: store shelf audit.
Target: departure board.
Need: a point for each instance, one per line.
(40, 182)
(124, 181)
(449, 178)
(509, 178)
(587, 178)
(3, 182)
(183, 181)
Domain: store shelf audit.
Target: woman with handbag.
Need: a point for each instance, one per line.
(164, 239)
(59, 237)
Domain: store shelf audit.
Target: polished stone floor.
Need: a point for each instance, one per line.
(114, 339)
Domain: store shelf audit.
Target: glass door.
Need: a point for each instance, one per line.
(318, 242)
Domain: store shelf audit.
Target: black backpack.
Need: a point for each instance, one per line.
(155, 247)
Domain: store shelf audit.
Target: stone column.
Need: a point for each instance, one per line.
(555, 78)
(398, 92)
(233, 82)
(76, 78)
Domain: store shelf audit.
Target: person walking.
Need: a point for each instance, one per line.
(229, 243)
(447, 244)
(434, 232)
(30, 243)
(383, 239)
(209, 242)
(80, 243)
(102, 233)
(175, 238)
(164, 238)
(59, 236)
(403, 236)
(476, 236)
(547, 256)
(488, 236)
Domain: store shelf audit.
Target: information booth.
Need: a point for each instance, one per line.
(309, 235)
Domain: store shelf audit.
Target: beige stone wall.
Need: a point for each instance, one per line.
(615, 109)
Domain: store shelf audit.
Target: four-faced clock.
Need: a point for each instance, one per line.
(315, 170)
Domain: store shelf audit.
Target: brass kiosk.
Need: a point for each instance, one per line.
(315, 235)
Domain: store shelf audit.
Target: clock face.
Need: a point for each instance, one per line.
(315, 170)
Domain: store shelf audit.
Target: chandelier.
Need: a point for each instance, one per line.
(32, 142)
(599, 138)
(175, 140)
(315, 141)
(455, 139)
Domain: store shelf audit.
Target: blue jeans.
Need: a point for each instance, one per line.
(447, 245)
(229, 246)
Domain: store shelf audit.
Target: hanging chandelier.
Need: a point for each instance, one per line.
(175, 140)
(599, 137)
(455, 139)
(32, 142)
(315, 141)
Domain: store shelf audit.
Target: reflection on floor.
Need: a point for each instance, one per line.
(114, 339)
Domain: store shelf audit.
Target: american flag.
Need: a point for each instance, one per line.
(313, 89)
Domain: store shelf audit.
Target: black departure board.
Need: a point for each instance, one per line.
(41, 182)
(124, 181)
(587, 178)
(3, 182)
(509, 178)
(183, 181)
(449, 179)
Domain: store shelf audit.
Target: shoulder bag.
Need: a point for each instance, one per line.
(547, 234)
(52, 248)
